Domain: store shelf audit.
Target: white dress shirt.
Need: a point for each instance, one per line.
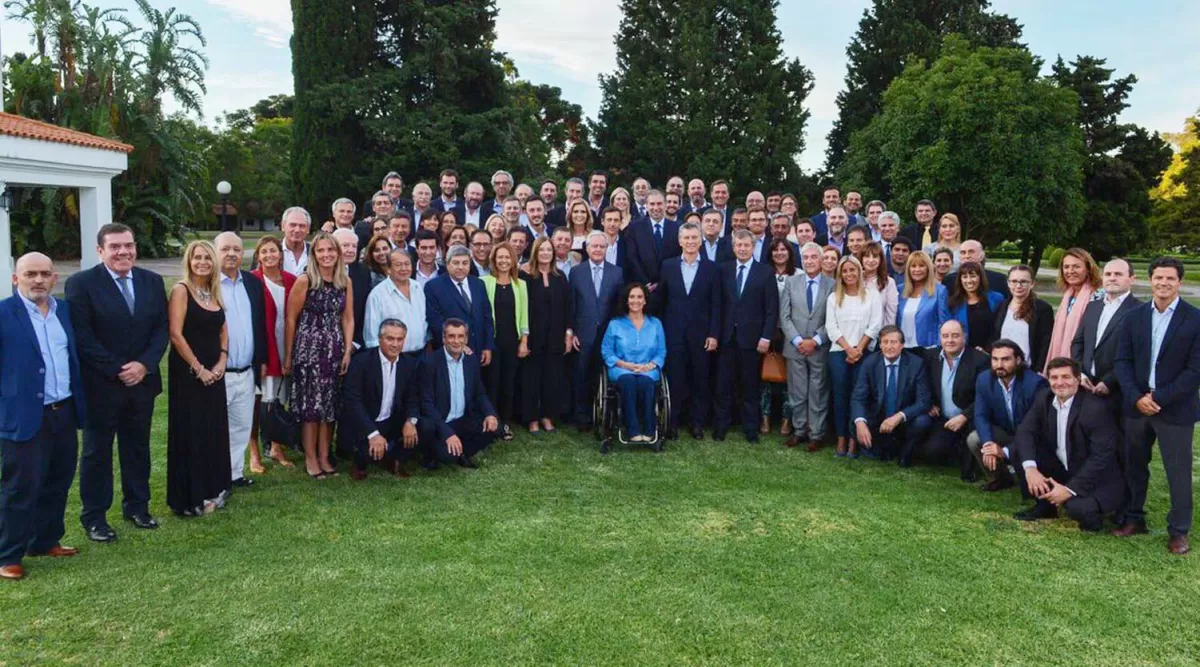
(1062, 416)
(389, 390)
(292, 264)
(1159, 322)
(1111, 306)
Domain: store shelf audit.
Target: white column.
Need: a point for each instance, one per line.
(6, 259)
(95, 211)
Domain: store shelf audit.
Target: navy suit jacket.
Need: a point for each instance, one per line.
(913, 397)
(109, 337)
(362, 395)
(689, 318)
(443, 301)
(23, 373)
(591, 314)
(360, 281)
(598, 214)
(724, 250)
(556, 216)
(820, 226)
(256, 292)
(990, 410)
(645, 259)
(1177, 374)
(754, 315)
(459, 208)
(435, 395)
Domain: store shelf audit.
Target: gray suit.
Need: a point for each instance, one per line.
(808, 381)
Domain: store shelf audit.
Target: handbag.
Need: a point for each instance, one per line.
(774, 368)
(279, 424)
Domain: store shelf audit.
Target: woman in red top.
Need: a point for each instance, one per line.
(268, 256)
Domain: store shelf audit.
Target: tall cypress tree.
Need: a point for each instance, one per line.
(893, 30)
(702, 88)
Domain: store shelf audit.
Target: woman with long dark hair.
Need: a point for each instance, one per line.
(783, 260)
(634, 350)
(1024, 318)
(973, 305)
(268, 257)
(544, 370)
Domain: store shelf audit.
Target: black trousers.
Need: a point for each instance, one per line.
(902, 442)
(126, 418)
(392, 430)
(587, 369)
(501, 377)
(945, 445)
(738, 371)
(1086, 510)
(688, 375)
(35, 476)
(468, 429)
(543, 379)
(1175, 448)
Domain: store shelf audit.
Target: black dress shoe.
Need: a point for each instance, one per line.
(719, 436)
(243, 482)
(101, 532)
(697, 433)
(430, 464)
(464, 462)
(142, 520)
(1040, 510)
(751, 436)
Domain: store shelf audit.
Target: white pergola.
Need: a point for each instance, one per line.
(37, 154)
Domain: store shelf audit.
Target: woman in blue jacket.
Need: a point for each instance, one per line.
(973, 304)
(634, 350)
(922, 308)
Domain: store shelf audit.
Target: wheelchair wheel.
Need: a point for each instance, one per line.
(600, 408)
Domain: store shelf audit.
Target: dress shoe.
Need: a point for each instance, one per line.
(1178, 545)
(765, 427)
(751, 437)
(58, 551)
(813, 446)
(13, 572)
(399, 471)
(430, 464)
(719, 436)
(1129, 529)
(697, 433)
(998, 484)
(1040, 510)
(357, 474)
(142, 520)
(243, 482)
(792, 441)
(464, 462)
(101, 532)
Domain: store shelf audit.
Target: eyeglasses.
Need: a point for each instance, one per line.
(1020, 283)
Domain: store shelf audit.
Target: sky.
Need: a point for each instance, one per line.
(568, 43)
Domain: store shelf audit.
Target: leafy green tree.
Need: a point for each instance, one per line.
(1171, 186)
(888, 34)
(1176, 221)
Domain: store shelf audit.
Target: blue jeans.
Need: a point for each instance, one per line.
(842, 378)
(637, 404)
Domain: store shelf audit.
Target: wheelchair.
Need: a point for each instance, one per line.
(606, 415)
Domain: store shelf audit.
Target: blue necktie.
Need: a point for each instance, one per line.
(889, 391)
(658, 237)
(126, 292)
(741, 280)
(808, 293)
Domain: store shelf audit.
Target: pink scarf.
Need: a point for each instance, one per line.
(1065, 325)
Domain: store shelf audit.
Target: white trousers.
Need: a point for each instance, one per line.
(239, 401)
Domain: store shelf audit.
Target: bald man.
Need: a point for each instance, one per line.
(41, 411)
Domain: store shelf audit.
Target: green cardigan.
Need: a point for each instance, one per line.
(520, 300)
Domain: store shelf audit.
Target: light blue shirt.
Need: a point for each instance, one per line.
(689, 272)
(386, 301)
(458, 396)
(949, 409)
(758, 248)
(240, 321)
(1008, 397)
(56, 357)
(1159, 323)
(625, 342)
(710, 249)
(117, 279)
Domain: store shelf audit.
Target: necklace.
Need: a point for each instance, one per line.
(203, 295)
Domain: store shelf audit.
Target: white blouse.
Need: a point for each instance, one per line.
(855, 318)
(1017, 331)
(889, 299)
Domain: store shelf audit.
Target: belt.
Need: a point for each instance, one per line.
(243, 369)
(57, 405)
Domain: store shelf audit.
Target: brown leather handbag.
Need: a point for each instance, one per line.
(774, 368)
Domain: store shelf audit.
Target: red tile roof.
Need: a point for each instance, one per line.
(26, 128)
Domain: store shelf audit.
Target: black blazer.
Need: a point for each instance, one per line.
(109, 337)
(1177, 374)
(724, 250)
(915, 231)
(556, 216)
(971, 362)
(1087, 350)
(459, 208)
(257, 293)
(362, 395)
(645, 258)
(549, 313)
(1092, 440)
(754, 315)
(360, 282)
(913, 398)
(435, 395)
(1041, 328)
(689, 317)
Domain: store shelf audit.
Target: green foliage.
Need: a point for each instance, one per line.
(703, 89)
(1176, 222)
(983, 135)
(890, 33)
(1171, 185)
(1056, 258)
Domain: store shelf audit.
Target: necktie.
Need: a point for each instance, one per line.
(126, 292)
(658, 237)
(741, 279)
(597, 279)
(809, 294)
(889, 395)
(462, 290)
(926, 239)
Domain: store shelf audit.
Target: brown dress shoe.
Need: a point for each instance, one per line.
(358, 474)
(58, 551)
(765, 427)
(1178, 545)
(1129, 529)
(786, 427)
(13, 572)
(813, 446)
(399, 471)
(792, 441)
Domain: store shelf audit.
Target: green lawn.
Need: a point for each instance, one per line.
(550, 553)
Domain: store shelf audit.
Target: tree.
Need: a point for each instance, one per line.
(893, 31)
(167, 64)
(1123, 161)
(1171, 186)
(703, 88)
(983, 135)
(1176, 221)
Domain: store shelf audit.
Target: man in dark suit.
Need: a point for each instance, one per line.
(972, 251)
(381, 404)
(1067, 447)
(1095, 343)
(891, 401)
(924, 231)
(695, 199)
(652, 239)
(594, 288)
(1158, 369)
(120, 315)
(714, 247)
(455, 294)
(1002, 398)
(457, 420)
(829, 198)
(953, 370)
(617, 251)
(393, 185)
(597, 199)
(688, 297)
(361, 283)
(42, 407)
(749, 318)
(556, 213)
(449, 201)
(719, 194)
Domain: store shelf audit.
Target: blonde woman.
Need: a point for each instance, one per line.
(853, 317)
(621, 201)
(510, 321)
(496, 227)
(922, 308)
(198, 478)
(318, 336)
(579, 221)
(949, 237)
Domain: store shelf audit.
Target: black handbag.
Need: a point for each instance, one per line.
(279, 424)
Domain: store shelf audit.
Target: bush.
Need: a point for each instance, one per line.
(1056, 257)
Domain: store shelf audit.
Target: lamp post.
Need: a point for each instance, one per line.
(223, 189)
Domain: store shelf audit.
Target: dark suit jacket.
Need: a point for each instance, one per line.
(971, 363)
(459, 208)
(257, 293)
(556, 216)
(360, 281)
(598, 214)
(645, 258)
(435, 395)
(443, 301)
(724, 251)
(362, 229)
(362, 395)
(997, 282)
(109, 337)
(590, 314)
(23, 373)
(1177, 374)
(915, 231)
(913, 398)
(1041, 328)
(990, 410)
(821, 226)
(1087, 350)
(754, 315)
(488, 208)
(1092, 441)
(689, 317)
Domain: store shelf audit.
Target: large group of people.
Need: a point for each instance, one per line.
(433, 327)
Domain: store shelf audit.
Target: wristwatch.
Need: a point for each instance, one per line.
(412, 420)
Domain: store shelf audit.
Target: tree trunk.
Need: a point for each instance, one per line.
(1035, 259)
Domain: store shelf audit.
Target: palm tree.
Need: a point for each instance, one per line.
(166, 64)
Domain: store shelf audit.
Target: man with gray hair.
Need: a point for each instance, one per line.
(343, 215)
(972, 251)
(502, 185)
(594, 287)
(806, 347)
(457, 294)
(295, 223)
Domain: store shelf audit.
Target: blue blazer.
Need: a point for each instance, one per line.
(443, 301)
(645, 258)
(754, 315)
(930, 317)
(821, 227)
(960, 314)
(724, 251)
(22, 372)
(990, 410)
(435, 392)
(689, 318)
(1177, 374)
(913, 397)
(591, 313)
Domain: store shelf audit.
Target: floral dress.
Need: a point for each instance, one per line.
(317, 354)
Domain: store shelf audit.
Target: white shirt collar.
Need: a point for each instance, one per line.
(1116, 300)
(1063, 407)
(748, 263)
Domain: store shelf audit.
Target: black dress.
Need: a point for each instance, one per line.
(198, 467)
(502, 375)
(980, 320)
(544, 374)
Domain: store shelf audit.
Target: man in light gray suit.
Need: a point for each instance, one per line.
(806, 348)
